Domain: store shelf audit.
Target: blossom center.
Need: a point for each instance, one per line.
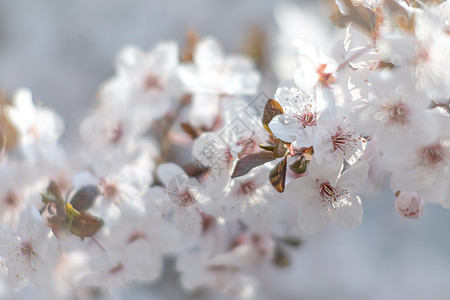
(116, 133)
(330, 196)
(342, 140)
(307, 118)
(136, 235)
(247, 188)
(248, 146)
(185, 199)
(151, 82)
(398, 113)
(116, 269)
(110, 189)
(434, 155)
(26, 250)
(324, 77)
(11, 199)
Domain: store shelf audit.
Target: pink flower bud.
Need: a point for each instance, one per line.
(410, 205)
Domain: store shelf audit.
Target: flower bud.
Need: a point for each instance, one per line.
(410, 205)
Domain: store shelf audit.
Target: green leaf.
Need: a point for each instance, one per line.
(300, 165)
(281, 257)
(267, 147)
(52, 194)
(292, 241)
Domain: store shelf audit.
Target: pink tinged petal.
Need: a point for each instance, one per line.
(191, 261)
(166, 172)
(193, 280)
(164, 57)
(40, 273)
(410, 205)
(94, 279)
(329, 173)
(142, 262)
(209, 148)
(188, 221)
(85, 178)
(354, 177)
(204, 110)
(30, 223)
(128, 59)
(45, 243)
(23, 111)
(312, 218)
(104, 262)
(349, 213)
(16, 278)
(208, 54)
(302, 191)
(306, 76)
(7, 237)
(285, 127)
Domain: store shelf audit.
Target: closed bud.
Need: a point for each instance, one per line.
(410, 205)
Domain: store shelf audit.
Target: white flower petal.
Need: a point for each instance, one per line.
(348, 215)
(312, 218)
(354, 177)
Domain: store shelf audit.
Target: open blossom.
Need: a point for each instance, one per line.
(425, 169)
(199, 270)
(212, 75)
(219, 218)
(140, 87)
(185, 198)
(326, 194)
(336, 141)
(39, 128)
(29, 252)
(314, 68)
(251, 200)
(298, 122)
(115, 270)
(360, 49)
(422, 51)
(121, 191)
(240, 135)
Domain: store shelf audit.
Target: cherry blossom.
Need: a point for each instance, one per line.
(30, 251)
(39, 128)
(211, 75)
(325, 194)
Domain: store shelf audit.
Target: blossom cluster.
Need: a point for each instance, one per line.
(184, 160)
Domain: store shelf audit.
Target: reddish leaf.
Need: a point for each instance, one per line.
(250, 161)
(86, 225)
(84, 197)
(272, 109)
(191, 131)
(359, 15)
(277, 175)
(280, 149)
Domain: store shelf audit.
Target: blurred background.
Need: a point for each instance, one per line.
(63, 51)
